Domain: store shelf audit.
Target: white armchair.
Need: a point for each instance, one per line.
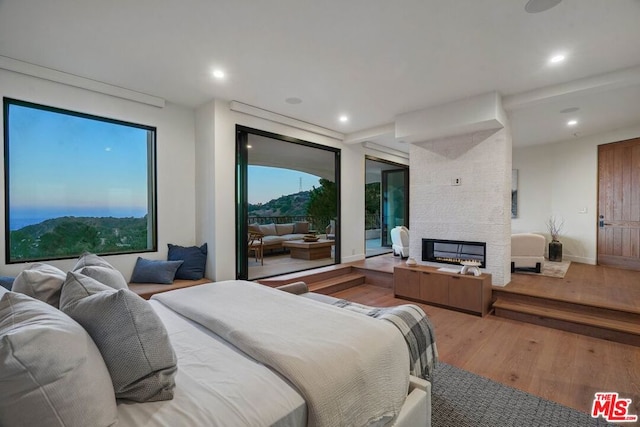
(330, 230)
(527, 251)
(400, 241)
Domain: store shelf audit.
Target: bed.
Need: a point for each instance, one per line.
(246, 355)
(224, 374)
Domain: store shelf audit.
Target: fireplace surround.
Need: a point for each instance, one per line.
(453, 251)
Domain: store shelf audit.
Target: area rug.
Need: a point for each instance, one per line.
(550, 269)
(463, 399)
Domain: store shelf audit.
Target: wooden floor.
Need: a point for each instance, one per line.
(560, 366)
(589, 284)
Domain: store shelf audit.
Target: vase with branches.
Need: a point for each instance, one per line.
(555, 247)
(555, 228)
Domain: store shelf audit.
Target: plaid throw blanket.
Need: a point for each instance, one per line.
(416, 328)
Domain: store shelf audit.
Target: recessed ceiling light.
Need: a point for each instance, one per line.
(218, 74)
(556, 58)
(293, 100)
(249, 146)
(569, 110)
(344, 119)
(572, 122)
(536, 6)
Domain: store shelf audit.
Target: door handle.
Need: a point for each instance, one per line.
(601, 222)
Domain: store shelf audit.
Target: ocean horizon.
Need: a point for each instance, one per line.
(18, 220)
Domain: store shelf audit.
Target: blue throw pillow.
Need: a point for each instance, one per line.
(154, 271)
(6, 282)
(195, 260)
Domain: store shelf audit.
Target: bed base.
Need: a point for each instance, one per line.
(416, 410)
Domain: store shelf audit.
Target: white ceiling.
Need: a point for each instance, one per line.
(369, 59)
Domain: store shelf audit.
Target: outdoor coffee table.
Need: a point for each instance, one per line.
(309, 250)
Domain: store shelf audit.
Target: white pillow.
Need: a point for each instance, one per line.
(42, 282)
(52, 373)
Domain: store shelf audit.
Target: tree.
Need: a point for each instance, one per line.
(71, 237)
(323, 203)
(372, 205)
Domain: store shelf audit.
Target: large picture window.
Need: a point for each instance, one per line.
(75, 183)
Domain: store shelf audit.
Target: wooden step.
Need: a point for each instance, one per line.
(308, 276)
(337, 283)
(599, 309)
(376, 277)
(585, 323)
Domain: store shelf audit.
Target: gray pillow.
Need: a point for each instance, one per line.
(42, 282)
(154, 271)
(131, 337)
(88, 259)
(107, 276)
(52, 373)
(97, 268)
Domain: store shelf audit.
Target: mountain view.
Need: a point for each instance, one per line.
(71, 236)
(318, 205)
(288, 205)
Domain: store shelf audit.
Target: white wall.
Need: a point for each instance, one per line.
(175, 158)
(562, 179)
(476, 210)
(218, 190)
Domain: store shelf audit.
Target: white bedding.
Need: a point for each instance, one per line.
(216, 386)
(351, 369)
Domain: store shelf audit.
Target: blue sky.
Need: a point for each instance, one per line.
(75, 166)
(267, 183)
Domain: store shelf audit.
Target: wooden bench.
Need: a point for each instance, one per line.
(146, 290)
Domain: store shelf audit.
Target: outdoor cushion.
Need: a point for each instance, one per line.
(268, 229)
(283, 229)
(301, 227)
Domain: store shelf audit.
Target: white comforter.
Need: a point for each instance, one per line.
(216, 386)
(351, 369)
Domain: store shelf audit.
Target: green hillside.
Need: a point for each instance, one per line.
(70, 236)
(289, 205)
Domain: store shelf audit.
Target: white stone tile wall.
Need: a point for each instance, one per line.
(479, 209)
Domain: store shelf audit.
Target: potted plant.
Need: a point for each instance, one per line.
(555, 246)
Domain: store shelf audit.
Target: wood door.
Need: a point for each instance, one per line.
(619, 204)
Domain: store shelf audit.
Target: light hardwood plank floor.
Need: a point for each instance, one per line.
(560, 366)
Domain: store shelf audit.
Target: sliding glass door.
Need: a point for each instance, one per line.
(386, 203)
(395, 203)
(287, 209)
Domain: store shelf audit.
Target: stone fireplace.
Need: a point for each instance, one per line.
(460, 190)
(460, 177)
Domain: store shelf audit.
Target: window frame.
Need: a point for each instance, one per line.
(152, 197)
